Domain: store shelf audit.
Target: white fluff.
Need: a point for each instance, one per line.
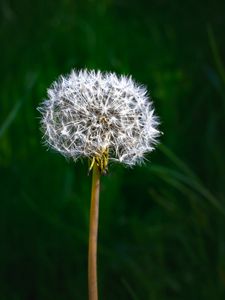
(88, 112)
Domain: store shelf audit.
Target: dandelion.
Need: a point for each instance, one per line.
(102, 117)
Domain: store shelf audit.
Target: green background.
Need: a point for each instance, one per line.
(162, 225)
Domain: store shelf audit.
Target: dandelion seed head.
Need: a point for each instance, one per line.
(89, 112)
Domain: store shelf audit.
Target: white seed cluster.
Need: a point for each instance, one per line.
(89, 112)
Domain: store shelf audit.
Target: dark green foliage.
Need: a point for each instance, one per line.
(162, 225)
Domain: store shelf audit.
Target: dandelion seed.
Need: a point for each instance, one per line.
(89, 113)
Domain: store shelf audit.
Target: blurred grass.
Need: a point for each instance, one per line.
(161, 225)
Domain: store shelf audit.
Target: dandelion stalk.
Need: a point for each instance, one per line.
(93, 235)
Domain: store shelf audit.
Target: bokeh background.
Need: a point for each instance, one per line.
(162, 225)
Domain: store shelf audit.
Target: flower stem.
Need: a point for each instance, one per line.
(93, 235)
